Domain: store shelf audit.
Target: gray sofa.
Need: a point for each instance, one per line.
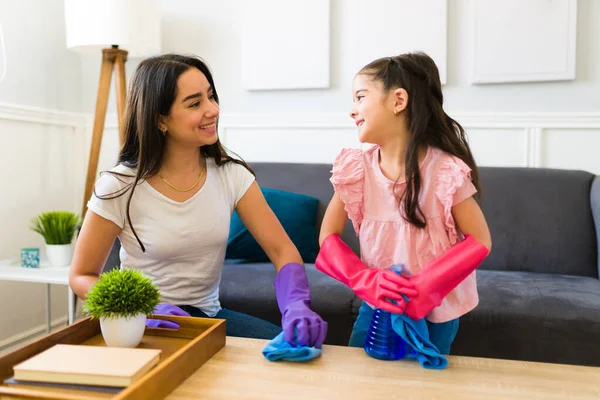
(539, 288)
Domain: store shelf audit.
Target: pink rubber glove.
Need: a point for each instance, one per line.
(441, 275)
(165, 309)
(382, 288)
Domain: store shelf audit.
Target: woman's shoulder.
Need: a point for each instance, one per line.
(227, 168)
(231, 173)
(114, 180)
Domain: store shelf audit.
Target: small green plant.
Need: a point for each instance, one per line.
(121, 293)
(57, 227)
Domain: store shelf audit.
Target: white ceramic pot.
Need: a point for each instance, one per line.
(60, 255)
(123, 332)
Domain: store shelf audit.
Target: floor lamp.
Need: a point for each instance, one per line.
(119, 29)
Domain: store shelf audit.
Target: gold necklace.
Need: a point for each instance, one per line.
(183, 190)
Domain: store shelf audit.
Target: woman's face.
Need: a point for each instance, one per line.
(193, 116)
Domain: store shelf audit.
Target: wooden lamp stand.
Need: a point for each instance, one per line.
(111, 58)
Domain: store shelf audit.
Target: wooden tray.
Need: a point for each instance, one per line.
(183, 351)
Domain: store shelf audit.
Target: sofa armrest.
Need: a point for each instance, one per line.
(595, 203)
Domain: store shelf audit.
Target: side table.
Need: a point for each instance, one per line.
(10, 270)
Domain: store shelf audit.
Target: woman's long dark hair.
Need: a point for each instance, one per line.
(428, 123)
(152, 92)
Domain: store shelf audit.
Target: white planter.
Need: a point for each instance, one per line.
(60, 255)
(123, 332)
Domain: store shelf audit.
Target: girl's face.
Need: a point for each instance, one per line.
(373, 110)
(193, 116)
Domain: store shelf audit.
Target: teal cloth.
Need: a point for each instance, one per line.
(297, 213)
(279, 349)
(416, 336)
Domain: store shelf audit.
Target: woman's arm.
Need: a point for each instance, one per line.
(335, 218)
(470, 220)
(93, 246)
(264, 226)
(300, 324)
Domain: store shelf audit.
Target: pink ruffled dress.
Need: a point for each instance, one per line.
(386, 238)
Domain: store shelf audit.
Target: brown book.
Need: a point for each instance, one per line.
(88, 365)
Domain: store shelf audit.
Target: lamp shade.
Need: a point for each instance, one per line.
(133, 25)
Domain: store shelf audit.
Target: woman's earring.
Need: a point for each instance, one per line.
(395, 112)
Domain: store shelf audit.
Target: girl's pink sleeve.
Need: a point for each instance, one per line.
(347, 177)
(453, 186)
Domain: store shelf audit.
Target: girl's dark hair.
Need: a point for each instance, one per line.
(428, 123)
(152, 92)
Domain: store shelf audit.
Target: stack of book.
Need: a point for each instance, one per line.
(108, 369)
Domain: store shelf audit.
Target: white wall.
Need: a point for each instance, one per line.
(41, 71)
(535, 124)
(40, 146)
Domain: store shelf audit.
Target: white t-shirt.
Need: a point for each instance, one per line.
(185, 241)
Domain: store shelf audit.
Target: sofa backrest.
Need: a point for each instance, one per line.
(540, 219)
(595, 200)
(309, 179)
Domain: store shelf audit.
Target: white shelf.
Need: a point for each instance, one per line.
(11, 270)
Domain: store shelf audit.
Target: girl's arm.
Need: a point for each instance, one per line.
(93, 246)
(335, 218)
(470, 220)
(442, 274)
(264, 226)
(339, 261)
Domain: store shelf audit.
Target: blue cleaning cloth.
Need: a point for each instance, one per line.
(416, 336)
(279, 349)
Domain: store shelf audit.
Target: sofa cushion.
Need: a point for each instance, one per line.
(540, 220)
(297, 213)
(248, 288)
(310, 179)
(533, 316)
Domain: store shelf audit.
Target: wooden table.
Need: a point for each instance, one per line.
(239, 371)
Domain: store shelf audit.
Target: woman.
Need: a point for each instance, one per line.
(170, 199)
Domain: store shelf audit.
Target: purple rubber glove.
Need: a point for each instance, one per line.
(165, 309)
(301, 326)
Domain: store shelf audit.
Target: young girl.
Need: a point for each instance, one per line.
(410, 199)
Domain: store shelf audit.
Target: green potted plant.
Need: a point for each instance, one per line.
(121, 299)
(58, 229)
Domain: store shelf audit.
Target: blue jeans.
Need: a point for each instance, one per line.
(240, 325)
(441, 334)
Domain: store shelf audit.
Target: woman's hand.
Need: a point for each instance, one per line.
(165, 309)
(301, 326)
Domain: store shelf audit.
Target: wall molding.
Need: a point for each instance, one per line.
(492, 120)
(482, 120)
(43, 116)
(534, 125)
